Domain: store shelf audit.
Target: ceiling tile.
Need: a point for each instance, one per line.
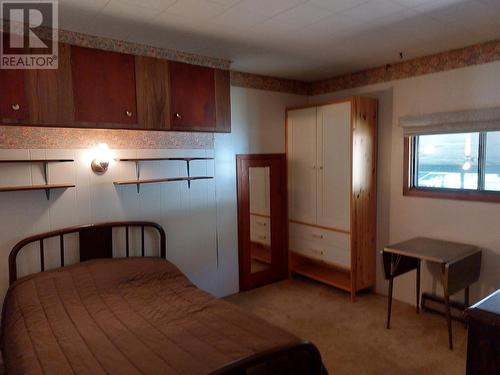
(302, 15)
(373, 9)
(228, 3)
(298, 39)
(268, 7)
(338, 5)
(196, 9)
(122, 10)
(237, 19)
(158, 5)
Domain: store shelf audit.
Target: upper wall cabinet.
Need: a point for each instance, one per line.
(199, 98)
(13, 104)
(50, 93)
(104, 87)
(101, 89)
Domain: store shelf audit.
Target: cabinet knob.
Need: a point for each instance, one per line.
(178, 115)
(15, 107)
(128, 113)
(321, 167)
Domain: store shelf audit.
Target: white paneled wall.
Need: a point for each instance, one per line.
(188, 215)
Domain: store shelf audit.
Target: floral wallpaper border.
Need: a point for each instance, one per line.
(21, 137)
(459, 58)
(108, 44)
(91, 41)
(255, 81)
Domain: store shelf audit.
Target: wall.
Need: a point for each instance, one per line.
(401, 217)
(258, 126)
(200, 222)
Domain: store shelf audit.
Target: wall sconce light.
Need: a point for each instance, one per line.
(102, 158)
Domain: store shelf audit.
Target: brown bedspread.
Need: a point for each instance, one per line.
(125, 316)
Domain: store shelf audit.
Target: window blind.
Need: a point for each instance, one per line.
(476, 120)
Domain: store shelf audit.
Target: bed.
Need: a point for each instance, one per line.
(133, 315)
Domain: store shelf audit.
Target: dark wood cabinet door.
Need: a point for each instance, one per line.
(192, 97)
(50, 92)
(13, 104)
(153, 100)
(223, 101)
(104, 87)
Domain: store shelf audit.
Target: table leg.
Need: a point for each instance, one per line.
(391, 283)
(447, 306)
(466, 303)
(418, 286)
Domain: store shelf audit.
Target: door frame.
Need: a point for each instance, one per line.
(279, 219)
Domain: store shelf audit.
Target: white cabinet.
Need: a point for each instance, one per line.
(319, 150)
(331, 153)
(302, 159)
(334, 169)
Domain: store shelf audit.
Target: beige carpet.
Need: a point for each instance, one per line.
(351, 337)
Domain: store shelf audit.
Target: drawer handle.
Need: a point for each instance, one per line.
(128, 113)
(315, 235)
(263, 223)
(316, 251)
(15, 107)
(262, 237)
(178, 115)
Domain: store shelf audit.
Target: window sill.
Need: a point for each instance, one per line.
(465, 195)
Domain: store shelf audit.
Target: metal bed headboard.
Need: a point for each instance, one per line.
(96, 241)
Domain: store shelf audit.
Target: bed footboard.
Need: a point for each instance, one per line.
(294, 359)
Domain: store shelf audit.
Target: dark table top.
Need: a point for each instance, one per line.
(486, 310)
(432, 250)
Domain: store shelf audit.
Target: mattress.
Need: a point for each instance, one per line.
(126, 316)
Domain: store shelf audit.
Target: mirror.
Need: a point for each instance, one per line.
(260, 218)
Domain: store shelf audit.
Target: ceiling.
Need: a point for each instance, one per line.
(300, 39)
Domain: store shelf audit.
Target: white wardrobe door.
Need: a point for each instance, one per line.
(334, 161)
(301, 155)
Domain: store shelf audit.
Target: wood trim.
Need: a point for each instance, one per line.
(320, 261)
(320, 271)
(455, 194)
(364, 193)
(320, 226)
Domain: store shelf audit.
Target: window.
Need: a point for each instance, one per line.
(458, 166)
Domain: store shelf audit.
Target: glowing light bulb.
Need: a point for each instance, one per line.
(102, 158)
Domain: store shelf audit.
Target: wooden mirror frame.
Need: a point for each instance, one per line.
(279, 219)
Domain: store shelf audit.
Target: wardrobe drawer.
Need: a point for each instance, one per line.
(260, 230)
(318, 234)
(260, 237)
(260, 222)
(327, 246)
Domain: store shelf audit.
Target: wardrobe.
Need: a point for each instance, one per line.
(331, 165)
